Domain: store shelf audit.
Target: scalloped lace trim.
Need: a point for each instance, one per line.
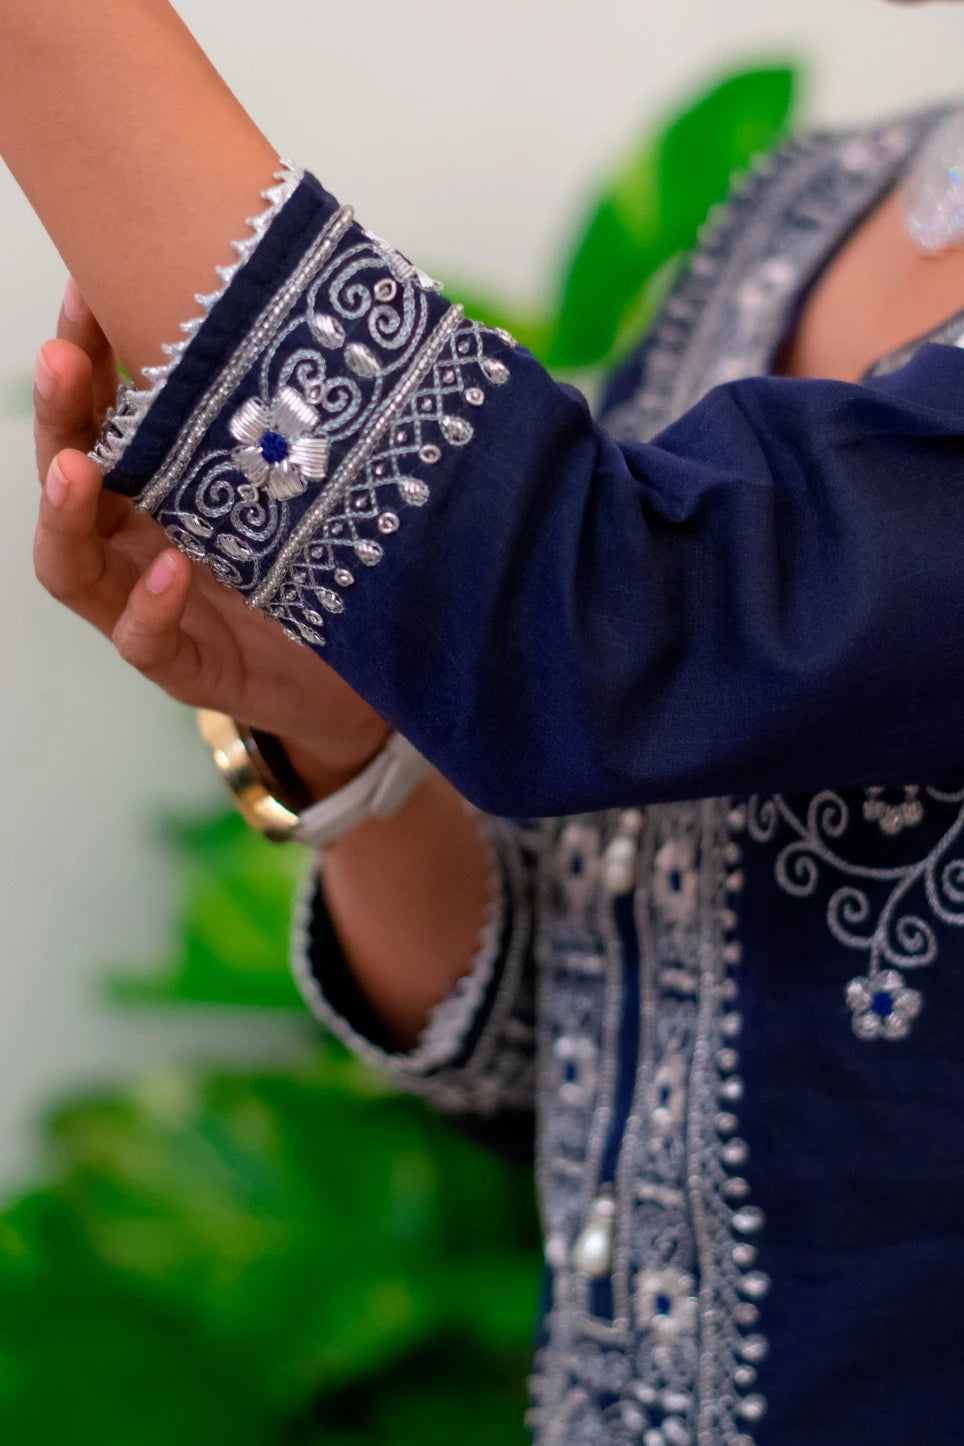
(450, 1020)
(133, 404)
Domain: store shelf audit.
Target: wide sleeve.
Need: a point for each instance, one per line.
(476, 1057)
(768, 596)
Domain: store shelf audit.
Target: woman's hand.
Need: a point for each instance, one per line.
(166, 616)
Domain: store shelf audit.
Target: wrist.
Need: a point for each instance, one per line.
(323, 766)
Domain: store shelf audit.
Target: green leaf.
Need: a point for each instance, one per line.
(655, 205)
(715, 140)
(312, 1225)
(85, 1360)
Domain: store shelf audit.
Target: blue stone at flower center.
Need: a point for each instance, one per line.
(663, 1305)
(882, 1003)
(274, 448)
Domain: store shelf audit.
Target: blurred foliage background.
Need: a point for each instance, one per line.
(299, 1257)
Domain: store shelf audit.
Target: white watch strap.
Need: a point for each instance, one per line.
(378, 791)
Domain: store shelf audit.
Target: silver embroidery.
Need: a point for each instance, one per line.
(351, 418)
(890, 914)
(278, 452)
(674, 1358)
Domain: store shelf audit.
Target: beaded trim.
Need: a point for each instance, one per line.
(130, 410)
(352, 385)
(667, 1352)
(499, 1074)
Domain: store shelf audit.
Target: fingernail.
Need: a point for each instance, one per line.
(56, 487)
(161, 574)
(44, 376)
(75, 307)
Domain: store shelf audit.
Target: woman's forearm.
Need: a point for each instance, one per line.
(139, 161)
(408, 898)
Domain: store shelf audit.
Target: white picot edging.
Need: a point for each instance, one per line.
(450, 1021)
(127, 415)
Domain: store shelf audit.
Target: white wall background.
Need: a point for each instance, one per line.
(465, 132)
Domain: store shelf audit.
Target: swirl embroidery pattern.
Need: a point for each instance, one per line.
(351, 387)
(892, 915)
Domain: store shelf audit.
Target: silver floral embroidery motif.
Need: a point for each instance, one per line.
(890, 914)
(363, 378)
(893, 817)
(278, 451)
(882, 1006)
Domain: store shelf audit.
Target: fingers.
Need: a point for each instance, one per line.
(148, 634)
(70, 556)
(75, 382)
(63, 402)
(78, 325)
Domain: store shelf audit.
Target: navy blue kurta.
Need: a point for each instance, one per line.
(737, 1021)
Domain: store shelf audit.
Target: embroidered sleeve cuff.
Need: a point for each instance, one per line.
(477, 1053)
(306, 410)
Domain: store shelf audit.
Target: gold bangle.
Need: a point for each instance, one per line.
(243, 776)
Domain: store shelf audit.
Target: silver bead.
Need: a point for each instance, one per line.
(755, 1285)
(343, 577)
(731, 1089)
(745, 1313)
(727, 1060)
(496, 371)
(457, 430)
(675, 1432)
(731, 1026)
(475, 396)
(593, 1252)
(755, 1349)
(749, 1220)
(448, 377)
(197, 525)
(744, 1376)
(736, 1152)
(744, 1256)
(430, 453)
(754, 1408)
(619, 865)
(368, 552)
(330, 331)
(736, 1188)
(413, 491)
(737, 819)
(725, 1123)
(386, 289)
(388, 522)
(733, 953)
(677, 1402)
(330, 601)
(362, 361)
(315, 618)
(235, 548)
(735, 882)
